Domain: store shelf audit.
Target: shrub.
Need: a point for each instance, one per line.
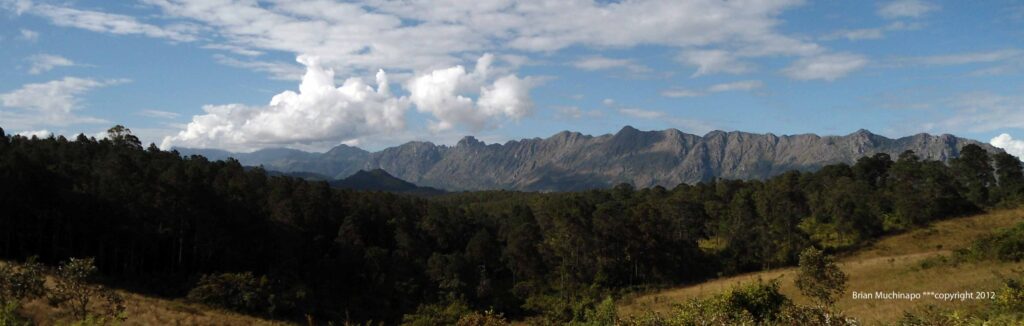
(244, 292)
(819, 277)
(487, 318)
(21, 281)
(75, 293)
(438, 314)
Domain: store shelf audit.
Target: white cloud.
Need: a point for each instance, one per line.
(50, 104)
(688, 125)
(984, 112)
(641, 113)
(41, 63)
(43, 133)
(1012, 146)
(964, 58)
(600, 63)
(743, 85)
(29, 35)
(420, 35)
(827, 67)
(575, 113)
(320, 114)
(682, 92)
(870, 33)
(166, 115)
(276, 70)
(106, 22)
(441, 93)
(713, 61)
(906, 9)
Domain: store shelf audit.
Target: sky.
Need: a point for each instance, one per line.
(242, 75)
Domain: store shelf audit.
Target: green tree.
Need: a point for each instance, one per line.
(122, 136)
(74, 291)
(1009, 176)
(974, 171)
(820, 278)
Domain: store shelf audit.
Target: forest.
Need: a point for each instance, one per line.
(240, 238)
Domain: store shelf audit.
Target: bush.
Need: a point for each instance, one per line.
(20, 282)
(438, 314)
(75, 293)
(819, 277)
(244, 292)
(487, 318)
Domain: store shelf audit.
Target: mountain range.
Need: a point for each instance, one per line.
(573, 161)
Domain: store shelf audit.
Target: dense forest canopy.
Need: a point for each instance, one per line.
(178, 226)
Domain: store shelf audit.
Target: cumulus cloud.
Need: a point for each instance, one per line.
(442, 93)
(827, 67)
(319, 113)
(41, 63)
(1012, 146)
(905, 9)
(50, 103)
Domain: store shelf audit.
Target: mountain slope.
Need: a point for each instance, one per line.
(380, 180)
(573, 161)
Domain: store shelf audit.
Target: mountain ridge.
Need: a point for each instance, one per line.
(574, 161)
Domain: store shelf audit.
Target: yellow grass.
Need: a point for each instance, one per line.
(891, 264)
(145, 310)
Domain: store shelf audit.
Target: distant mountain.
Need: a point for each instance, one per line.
(574, 161)
(380, 180)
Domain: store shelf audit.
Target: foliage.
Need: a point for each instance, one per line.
(487, 318)
(19, 282)
(241, 292)
(438, 314)
(74, 291)
(9, 315)
(1004, 245)
(819, 277)
(161, 221)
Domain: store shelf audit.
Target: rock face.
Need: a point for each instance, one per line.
(573, 161)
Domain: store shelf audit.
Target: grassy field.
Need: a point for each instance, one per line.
(145, 310)
(893, 263)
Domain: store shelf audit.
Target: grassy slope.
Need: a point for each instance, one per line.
(891, 264)
(145, 310)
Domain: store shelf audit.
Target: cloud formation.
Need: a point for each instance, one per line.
(318, 113)
(906, 9)
(1012, 146)
(826, 67)
(593, 63)
(51, 103)
(743, 85)
(442, 93)
(41, 63)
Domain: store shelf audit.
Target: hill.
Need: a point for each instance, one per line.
(573, 161)
(904, 262)
(380, 180)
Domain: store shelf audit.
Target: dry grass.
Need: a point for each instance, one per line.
(891, 264)
(146, 310)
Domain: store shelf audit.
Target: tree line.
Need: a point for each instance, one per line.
(176, 226)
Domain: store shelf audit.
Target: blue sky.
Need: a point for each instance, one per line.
(227, 74)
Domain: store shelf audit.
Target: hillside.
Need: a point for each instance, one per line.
(895, 263)
(380, 180)
(573, 161)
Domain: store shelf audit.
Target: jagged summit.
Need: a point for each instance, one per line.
(572, 161)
